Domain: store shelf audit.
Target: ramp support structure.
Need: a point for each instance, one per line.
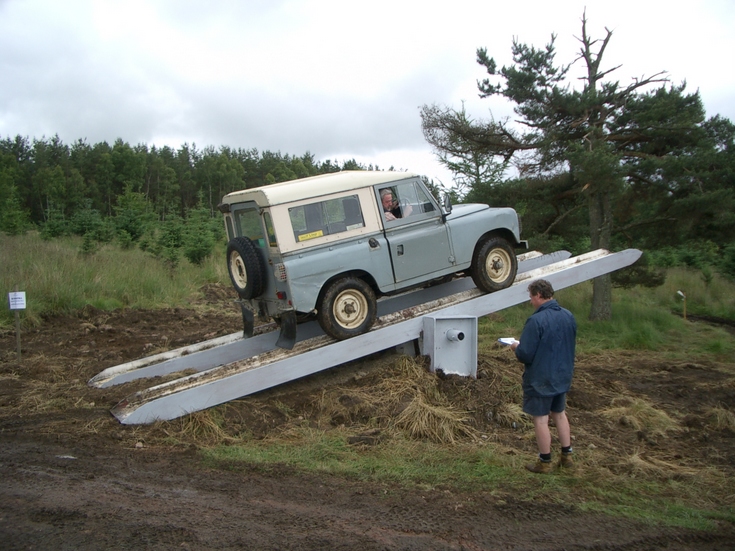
(277, 366)
(451, 343)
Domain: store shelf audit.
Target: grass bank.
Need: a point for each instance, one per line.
(58, 278)
(643, 319)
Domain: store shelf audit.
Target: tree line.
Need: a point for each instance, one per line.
(45, 176)
(157, 197)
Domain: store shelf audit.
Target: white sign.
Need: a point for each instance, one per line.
(17, 301)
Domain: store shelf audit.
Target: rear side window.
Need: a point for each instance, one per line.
(326, 218)
(250, 225)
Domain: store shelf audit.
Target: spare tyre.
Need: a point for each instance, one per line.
(246, 268)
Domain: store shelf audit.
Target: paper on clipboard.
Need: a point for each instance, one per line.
(507, 341)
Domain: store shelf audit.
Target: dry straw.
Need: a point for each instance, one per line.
(405, 399)
(204, 427)
(720, 418)
(640, 415)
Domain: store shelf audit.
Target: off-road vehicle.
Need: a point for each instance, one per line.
(329, 246)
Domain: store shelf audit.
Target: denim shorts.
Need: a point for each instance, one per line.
(539, 406)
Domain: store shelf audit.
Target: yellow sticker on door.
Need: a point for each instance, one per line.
(311, 235)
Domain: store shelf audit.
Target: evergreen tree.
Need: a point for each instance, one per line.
(198, 238)
(14, 219)
(601, 133)
(133, 214)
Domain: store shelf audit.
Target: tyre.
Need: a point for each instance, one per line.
(347, 309)
(494, 265)
(246, 268)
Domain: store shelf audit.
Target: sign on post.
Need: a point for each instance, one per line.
(17, 301)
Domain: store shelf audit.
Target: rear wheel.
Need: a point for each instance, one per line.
(494, 265)
(347, 309)
(246, 268)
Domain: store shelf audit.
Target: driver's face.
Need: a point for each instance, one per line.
(387, 200)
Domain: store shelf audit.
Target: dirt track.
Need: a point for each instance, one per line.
(73, 478)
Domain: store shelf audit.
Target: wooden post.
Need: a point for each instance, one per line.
(684, 298)
(685, 308)
(17, 332)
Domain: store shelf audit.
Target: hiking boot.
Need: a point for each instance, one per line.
(567, 461)
(541, 467)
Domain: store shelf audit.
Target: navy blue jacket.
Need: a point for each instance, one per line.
(547, 350)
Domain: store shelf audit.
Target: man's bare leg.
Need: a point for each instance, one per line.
(543, 434)
(562, 426)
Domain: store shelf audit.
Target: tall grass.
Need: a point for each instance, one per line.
(642, 318)
(712, 296)
(58, 278)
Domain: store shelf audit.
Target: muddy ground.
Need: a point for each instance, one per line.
(74, 478)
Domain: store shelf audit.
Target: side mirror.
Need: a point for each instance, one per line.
(447, 204)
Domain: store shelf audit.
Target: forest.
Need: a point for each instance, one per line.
(164, 200)
(161, 199)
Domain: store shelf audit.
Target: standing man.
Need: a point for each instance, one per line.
(546, 348)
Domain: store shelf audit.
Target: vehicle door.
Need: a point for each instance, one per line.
(417, 236)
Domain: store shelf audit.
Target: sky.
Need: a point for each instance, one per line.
(338, 79)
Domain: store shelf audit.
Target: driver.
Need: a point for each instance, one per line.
(391, 208)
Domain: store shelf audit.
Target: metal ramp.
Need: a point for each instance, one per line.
(231, 367)
(230, 348)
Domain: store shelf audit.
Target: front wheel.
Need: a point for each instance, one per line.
(494, 265)
(347, 309)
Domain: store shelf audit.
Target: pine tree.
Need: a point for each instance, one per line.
(605, 134)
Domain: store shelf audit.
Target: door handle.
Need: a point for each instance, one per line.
(399, 250)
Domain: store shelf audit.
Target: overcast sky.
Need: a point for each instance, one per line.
(340, 79)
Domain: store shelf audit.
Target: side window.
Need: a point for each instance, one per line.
(326, 218)
(423, 202)
(405, 201)
(249, 225)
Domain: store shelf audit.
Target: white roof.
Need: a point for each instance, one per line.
(315, 186)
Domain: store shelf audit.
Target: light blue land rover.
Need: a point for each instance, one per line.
(328, 246)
